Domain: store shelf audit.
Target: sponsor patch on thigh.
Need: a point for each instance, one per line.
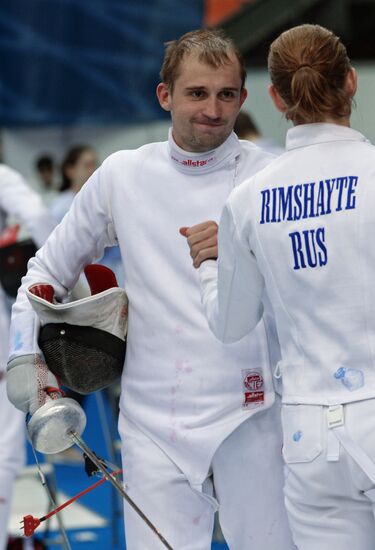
(253, 388)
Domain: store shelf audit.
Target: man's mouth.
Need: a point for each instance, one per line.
(210, 124)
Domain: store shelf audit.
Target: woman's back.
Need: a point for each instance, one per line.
(312, 222)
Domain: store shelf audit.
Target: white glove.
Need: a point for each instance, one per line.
(30, 383)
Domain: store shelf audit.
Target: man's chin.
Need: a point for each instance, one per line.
(206, 141)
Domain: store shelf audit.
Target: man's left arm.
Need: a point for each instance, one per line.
(232, 287)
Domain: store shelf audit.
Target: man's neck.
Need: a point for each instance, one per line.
(203, 162)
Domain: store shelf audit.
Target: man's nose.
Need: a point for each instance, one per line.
(212, 108)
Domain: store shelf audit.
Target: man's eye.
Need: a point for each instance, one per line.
(227, 94)
(197, 94)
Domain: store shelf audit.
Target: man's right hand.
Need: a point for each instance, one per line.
(30, 383)
(202, 240)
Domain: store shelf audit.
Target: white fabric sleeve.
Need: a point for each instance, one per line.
(18, 200)
(81, 237)
(232, 287)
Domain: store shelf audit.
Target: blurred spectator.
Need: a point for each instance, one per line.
(18, 201)
(77, 166)
(45, 169)
(245, 128)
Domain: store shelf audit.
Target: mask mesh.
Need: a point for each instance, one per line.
(83, 359)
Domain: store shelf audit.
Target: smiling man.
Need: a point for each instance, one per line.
(203, 101)
(199, 424)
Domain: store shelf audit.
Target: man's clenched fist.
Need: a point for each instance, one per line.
(202, 241)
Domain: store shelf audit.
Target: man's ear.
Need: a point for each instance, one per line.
(276, 98)
(243, 96)
(164, 96)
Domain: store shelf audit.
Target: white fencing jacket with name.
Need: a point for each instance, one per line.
(180, 384)
(303, 229)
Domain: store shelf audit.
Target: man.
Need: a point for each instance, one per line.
(197, 423)
(18, 201)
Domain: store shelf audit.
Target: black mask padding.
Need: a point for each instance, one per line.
(84, 359)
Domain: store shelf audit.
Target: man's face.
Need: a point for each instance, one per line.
(204, 103)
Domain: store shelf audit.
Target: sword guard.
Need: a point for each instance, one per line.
(50, 426)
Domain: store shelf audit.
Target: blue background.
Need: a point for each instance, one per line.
(65, 62)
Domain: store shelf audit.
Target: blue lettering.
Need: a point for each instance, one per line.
(320, 241)
(320, 211)
(285, 203)
(274, 203)
(297, 210)
(299, 260)
(350, 202)
(330, 186)
(309, 248)
(265, 206)
(340, 184)
(308, 200)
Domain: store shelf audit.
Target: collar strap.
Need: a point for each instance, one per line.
(203, 163)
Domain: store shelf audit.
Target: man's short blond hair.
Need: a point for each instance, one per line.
(212, 46)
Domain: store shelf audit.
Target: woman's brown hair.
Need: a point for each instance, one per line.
(308, 66)
(71, 158)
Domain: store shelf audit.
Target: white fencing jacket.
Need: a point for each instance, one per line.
(26, 207)
(303, 228)
(180, 384)
(23, 204)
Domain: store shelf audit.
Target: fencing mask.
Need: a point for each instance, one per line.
(83, 342)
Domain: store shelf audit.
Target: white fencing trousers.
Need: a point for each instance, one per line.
(329, 491)
(246, 474)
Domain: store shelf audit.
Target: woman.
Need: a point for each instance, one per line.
(79, 163)
(301, 230)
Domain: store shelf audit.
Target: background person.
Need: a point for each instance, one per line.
(191, 422)
(20, 202)
(246, 128)
(79, 163)
(301, 230)
(45, 170)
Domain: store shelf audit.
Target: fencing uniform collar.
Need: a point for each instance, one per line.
(322, 132)
(203, 163)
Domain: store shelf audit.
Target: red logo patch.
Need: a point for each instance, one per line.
(253, 385)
